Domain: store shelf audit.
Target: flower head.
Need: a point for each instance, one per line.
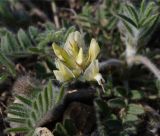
(73, 62)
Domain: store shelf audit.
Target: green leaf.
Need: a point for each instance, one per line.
(23, 39)
(120, 92)
(70, 127)
(33, 117)
(9, 43)
(61, 95)
(136, 95)
(135, 109)
(130, 118)
(61, 130)
(116, 103)
(18, 113)
(3, 78)
(133, 13)
(17, 120)
(127, 19)
(129, 29)
(142, 6)
(8, 64)
(36, 50)
(148, 9)
(24, 100)
(102, 106)
(18, 107)
(21, 129)
(149, 20)
(150, 29)
(33, 32)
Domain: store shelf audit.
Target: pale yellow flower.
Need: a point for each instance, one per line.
(73, 62)
(93, 51)
(63, 73)
(92, 73)
(63, 56)
(73, 43)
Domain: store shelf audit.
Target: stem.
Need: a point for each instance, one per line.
(145, 61)
(54, 9)
(102, 88)
(110, 62)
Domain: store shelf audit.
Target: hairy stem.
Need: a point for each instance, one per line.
(56, 19)
(145, 61)
(110, 62)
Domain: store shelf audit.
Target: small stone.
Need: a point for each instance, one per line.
(42, 131)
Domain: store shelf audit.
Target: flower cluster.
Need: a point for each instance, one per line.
(74, 62)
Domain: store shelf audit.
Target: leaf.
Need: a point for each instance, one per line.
(33, 32)
(17, 120)
(150, 29)
(100, 126)
(116, 103)
(137, 95)
(36, 50)
(142, 6)
(102, 107)
(127, 19)
(9, 43)
(61, 95)
(150, 7)
(130, 118)
(61, 130)
(70, 127)
(120, 92)
(29, 113)
(18, 113)
(149, 20)
(8, 64)
(23, 39)
(133, 13)
(3, 78)
(21, 129)
(135, 109)
(24, 100)
(18, 107)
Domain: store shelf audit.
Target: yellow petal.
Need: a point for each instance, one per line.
(73, 43)
(94, 50)
(76, 72)
(64, 73)
(60, 52)
(78, 37)
(91, 71)
(79, 59)
(63, 56)
(59, 76)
